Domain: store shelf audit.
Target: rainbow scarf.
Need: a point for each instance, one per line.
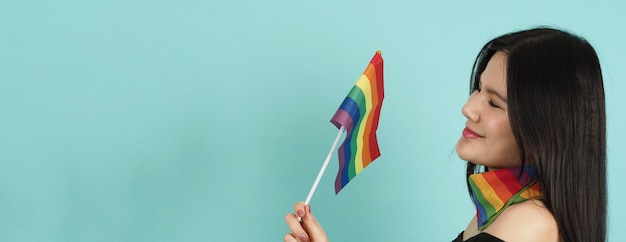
(359, 114)
(494, 191)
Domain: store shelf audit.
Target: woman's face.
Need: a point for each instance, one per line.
(487, 138)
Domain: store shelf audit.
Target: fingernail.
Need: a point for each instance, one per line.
(304, 237)
(308, 209)
(300, 213)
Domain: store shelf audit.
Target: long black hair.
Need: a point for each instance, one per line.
(556, 110)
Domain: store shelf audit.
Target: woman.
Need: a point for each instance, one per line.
(535, 142)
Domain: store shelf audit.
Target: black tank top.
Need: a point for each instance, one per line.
(482, 237)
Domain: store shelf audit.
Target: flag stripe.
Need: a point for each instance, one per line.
(479, 209)
(485, 193)
(511, 186)
(364, 85)
(370, 152)
(353, 109)
(502, 190)
(377, 99)
(356, 95)
(534, 191)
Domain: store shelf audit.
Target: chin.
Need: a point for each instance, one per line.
(463, 152)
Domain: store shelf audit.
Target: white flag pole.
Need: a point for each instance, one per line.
(319, 175)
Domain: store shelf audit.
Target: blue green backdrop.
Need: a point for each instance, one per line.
(207, 120)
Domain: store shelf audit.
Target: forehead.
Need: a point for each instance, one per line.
(494, 75)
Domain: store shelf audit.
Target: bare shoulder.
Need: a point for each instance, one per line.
(526, 221)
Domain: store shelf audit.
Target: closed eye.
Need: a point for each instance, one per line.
(491, 103)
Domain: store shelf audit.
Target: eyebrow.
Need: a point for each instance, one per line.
(497, 94)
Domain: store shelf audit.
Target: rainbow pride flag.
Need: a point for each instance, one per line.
(359, 114)
(494, 191)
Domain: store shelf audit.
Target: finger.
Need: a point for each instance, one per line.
(311, 226)
(297, 231)
(299, 209)
(289, 238)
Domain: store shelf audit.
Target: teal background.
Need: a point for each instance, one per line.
(207, 120)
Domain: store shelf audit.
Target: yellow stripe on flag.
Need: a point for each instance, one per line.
(488, 192)
(364, 84)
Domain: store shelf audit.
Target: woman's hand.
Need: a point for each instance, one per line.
(309, 230)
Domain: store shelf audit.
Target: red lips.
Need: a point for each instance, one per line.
(470, 134)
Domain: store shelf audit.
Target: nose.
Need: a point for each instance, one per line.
(470, 110)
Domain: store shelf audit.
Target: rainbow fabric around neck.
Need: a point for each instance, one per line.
(359, 114)
(494, 191)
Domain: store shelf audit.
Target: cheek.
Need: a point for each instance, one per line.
(499, 123)
(501, 131)
(506, 139)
